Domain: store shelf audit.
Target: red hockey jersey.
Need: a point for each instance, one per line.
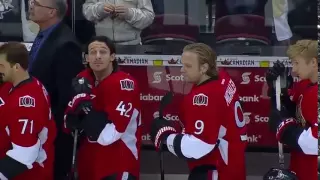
(27, 128)
(117, 149)
(212, 113)
(305, 163)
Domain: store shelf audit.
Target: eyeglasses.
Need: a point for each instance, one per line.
(36, 3)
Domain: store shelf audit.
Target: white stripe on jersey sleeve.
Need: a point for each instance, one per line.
(2, 177)
(25, 155)
(191, 146)
(308, 143)
(109, 135)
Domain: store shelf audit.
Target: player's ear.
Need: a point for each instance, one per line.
(204, 68)
(16, 66)
(314, 62)
(113, 57)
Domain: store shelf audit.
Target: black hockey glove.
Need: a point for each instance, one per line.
(93, 124)
(287, 130)
(81, 102)
(279, 69)
(276, 117)
(160, 130)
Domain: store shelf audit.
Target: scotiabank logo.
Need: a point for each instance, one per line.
(257, 78)
(253, 98)
(169, 117)
(150, 97)
(246, 116)
(157, 77)
(261, 119)
(245, 78)
(254, 138)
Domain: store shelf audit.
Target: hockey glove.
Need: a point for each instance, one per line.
(93, 124)
(276, 117)
(279, 69)
(160, 130)
(81, 103)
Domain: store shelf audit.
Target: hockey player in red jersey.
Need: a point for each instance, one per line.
(297, 123)
(214, 138)
(26, 125)
(109, 102)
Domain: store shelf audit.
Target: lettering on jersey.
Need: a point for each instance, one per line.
(1, 102)
(299, 114)
(127, 84)
(231, 90)
(27, 101)
(200, 100)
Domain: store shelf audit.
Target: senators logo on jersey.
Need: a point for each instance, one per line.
(27, 101)
(127, 84)
(200, 100)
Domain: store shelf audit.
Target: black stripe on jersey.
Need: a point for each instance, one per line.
(177, 146)
(11, 168)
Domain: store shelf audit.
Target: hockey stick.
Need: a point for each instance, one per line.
(163, 103)
(74, 154)
(278, 103)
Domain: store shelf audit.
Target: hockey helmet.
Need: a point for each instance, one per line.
(280, 174)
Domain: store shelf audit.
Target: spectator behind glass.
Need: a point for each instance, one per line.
(14, 23)
(120, 20)
(280, 11)
(29, 28)
(55, 58)
(10, 21)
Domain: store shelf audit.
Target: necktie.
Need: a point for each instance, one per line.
(34, 49)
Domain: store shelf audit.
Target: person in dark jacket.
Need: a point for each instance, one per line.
(55, 58)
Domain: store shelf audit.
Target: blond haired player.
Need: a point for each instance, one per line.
(214, 139)
(296, 125)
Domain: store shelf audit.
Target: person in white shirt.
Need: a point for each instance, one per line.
(120, 20)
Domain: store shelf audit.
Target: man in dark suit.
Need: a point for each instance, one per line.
(55, 58)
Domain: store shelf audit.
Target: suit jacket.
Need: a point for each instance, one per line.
(58, 61)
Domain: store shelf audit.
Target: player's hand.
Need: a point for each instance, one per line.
(279, 69)
(277, 117)
(283, 126)
(81, 104)
(72, 121)
(160, 130)
(275, 71)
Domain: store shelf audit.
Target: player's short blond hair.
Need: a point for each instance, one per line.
(205, 55)
(307, 49)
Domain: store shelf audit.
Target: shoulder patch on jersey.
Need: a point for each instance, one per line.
(27, 101)
(200, 100)
(127, 84)
(1, 102)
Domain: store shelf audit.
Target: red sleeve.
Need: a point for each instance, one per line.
(122, 103)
